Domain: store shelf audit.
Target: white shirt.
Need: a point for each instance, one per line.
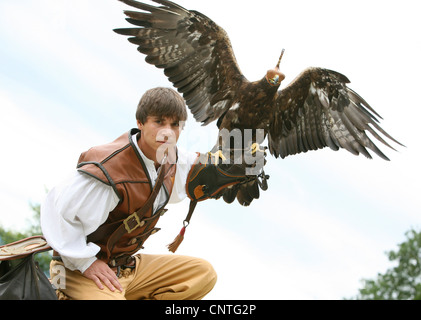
(78, 206)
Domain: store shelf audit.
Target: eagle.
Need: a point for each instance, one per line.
(316, 110)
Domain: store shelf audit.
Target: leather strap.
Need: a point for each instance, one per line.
(192, 206)
(23, 248)
(133, 222)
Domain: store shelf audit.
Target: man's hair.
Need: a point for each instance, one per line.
(162, 103)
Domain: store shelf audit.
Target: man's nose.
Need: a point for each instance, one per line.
(166, 130)
(166, 133)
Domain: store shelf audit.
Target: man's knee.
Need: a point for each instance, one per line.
(208, 272)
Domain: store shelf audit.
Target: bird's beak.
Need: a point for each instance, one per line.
(274, 76)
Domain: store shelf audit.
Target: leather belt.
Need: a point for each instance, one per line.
(123, 261)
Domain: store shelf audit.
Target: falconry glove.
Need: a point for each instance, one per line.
(213, 176)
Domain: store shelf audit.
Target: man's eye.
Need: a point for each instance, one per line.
(176, 124)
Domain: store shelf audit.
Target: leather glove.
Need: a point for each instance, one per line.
(232, 174)
(215, 175)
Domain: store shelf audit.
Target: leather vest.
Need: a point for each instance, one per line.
(119, 164)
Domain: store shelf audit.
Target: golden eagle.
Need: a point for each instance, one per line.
(314, 111)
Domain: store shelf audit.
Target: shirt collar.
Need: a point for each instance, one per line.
(150, 164)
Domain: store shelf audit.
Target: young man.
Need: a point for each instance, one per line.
(98, 219)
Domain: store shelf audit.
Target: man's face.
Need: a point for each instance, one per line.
(159, 135)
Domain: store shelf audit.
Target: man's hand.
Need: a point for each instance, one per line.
(100, 273)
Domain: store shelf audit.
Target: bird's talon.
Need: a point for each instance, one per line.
(255, 147)
(218, 155)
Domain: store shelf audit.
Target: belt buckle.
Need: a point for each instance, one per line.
(126, 222)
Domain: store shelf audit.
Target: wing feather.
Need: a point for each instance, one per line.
(318, 110)
(195, 53)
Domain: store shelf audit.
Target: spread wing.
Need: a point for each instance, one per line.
(195, 53)
(318, 110)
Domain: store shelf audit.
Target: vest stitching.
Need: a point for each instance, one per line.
(104, 171)
(115, 153)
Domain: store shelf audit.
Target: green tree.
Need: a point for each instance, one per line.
(34, 228)
(402, 282)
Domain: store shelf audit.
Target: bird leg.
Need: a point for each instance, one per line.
(256, 147)
(217, 155)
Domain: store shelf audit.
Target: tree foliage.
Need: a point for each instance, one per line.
(402, 282)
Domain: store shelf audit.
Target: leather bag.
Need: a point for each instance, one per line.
(20, 276)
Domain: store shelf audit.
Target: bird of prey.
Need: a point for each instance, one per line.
(316, 110)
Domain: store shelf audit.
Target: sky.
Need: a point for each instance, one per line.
(68, 82)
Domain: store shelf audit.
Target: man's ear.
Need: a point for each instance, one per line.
(139, 125)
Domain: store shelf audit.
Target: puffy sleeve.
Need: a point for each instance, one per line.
(184, 164)
(73, 210)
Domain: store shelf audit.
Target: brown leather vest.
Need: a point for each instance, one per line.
(118, 164)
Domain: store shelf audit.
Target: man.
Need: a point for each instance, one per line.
(98, 219)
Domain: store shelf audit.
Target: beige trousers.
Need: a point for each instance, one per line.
(157, 277)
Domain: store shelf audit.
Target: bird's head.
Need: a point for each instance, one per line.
(274, 76)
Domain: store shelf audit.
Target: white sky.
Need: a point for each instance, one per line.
(68, 82)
